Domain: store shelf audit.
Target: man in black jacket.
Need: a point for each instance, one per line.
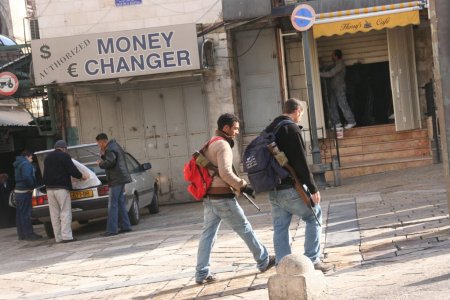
(58, 168)
(117, 174)
(284, 198)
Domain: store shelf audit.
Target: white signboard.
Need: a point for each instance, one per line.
(115, 54)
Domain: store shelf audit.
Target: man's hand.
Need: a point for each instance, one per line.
(84, 177)
(98, 162)
(248, 189)
(316, 197)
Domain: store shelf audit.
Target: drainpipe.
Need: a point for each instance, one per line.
(72, 130)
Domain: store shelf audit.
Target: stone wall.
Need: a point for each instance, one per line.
(67, 17)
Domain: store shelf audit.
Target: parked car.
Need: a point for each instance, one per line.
(92, 203)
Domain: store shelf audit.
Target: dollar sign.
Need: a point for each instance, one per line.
(45, 52)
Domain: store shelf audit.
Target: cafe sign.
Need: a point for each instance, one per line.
(366, 24)
(115, 54)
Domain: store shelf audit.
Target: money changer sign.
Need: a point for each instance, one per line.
(115, 54)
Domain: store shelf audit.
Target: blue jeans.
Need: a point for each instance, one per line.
(229, 211)
(23, 215)
(286, 203)
(117, 210)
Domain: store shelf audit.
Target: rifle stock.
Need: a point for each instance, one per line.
(297, 184)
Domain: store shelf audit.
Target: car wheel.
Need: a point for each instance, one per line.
(134, 214)
(49, 229)
(153, 208)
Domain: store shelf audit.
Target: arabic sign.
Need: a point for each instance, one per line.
(8, 83)
(128, 2)
(366, 24)
(115, 54)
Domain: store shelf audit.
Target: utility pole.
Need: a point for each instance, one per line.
(440, 36)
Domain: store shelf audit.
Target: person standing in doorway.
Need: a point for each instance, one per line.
(117, 174)
(58, 168)
(285, 200)
(220, 203)
(338, 95)
(25, 184)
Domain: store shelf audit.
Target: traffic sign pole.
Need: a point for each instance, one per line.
(302, 19)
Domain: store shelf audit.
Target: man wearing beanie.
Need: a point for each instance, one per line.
(58, 168)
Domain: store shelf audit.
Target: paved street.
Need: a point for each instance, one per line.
(388, 234)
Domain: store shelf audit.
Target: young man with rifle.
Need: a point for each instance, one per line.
(286, 199)
(220, 203)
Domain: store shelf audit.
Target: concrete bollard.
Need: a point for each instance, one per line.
(296, 279)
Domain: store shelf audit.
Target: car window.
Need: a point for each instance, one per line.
(132, 164)
(88, 156)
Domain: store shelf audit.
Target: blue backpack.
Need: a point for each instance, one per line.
(263, 171)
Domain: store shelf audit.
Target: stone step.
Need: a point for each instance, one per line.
(379, 166)
(370, 130)
(362, 149)
(390, 154)
(377, 138)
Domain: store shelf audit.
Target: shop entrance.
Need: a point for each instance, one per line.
(369, 93)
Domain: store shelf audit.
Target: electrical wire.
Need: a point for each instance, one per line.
(249, 48)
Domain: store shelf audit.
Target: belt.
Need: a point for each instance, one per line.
(219, 190)
(221, 196)
(283, 187)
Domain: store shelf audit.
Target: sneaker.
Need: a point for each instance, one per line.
(108, 233)
(69, 241)
(324, 267)
(338, 125)
(209, 279)
(270, 264)
(350, 125)
(125, 230)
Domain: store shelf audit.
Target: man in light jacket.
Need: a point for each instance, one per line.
(220, 203)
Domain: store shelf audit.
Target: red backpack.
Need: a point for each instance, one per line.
(198, 177)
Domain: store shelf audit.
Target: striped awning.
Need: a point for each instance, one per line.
(366, 19)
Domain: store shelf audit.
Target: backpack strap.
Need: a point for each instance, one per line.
(281, 124)
(216, 138)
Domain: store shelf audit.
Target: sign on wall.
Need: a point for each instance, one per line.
(115, 54)
(128, 2)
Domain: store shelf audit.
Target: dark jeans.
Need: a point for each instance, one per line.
(23, 215)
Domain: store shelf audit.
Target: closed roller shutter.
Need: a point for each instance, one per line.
(363, 47)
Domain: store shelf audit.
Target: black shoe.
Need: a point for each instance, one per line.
(324, 267)
(33, 237)
(270, 264)
(125, 230)
(69, 241)
(108, 233)
(209, 279)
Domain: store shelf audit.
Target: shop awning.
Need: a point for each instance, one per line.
(366, 19)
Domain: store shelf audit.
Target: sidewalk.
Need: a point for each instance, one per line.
(388, 234)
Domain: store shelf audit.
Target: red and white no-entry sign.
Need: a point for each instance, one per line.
(8, 83)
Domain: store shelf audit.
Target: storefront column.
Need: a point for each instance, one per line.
(440, 33)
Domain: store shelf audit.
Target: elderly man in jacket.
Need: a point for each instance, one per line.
(58, 168)
(220, 203)
(117, 174)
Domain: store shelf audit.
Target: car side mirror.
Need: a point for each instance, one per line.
(146, 166)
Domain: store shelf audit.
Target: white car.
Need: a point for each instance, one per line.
(92, 203)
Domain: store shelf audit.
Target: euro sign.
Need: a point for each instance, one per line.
(72, 70)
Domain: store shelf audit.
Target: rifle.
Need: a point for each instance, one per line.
(301, 189)
(202, 161)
